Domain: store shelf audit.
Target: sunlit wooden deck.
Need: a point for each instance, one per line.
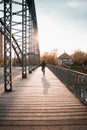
(41, 103)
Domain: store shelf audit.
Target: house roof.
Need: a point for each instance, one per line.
(64, 56)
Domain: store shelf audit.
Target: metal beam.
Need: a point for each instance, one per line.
(7, 45)
(24, 38)
(15, 2)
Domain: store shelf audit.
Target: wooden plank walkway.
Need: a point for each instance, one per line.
(41, 103)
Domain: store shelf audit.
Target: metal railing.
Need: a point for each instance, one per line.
(75, 81)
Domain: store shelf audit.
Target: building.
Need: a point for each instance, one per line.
(65, 59)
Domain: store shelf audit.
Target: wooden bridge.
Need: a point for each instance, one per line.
(41, 103)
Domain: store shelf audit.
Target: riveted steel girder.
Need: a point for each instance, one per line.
(24, 38)
(7, 46)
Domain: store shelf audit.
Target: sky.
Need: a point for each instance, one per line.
(62, 25)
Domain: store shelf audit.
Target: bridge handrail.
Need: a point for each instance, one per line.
(75, 81)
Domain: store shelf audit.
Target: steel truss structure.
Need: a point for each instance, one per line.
(18, 24)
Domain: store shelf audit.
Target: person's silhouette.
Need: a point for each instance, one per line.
(43, 65)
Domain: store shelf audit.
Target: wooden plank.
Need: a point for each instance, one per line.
(76, 127)
(43, 123)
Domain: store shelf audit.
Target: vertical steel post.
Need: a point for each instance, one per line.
(7, 45)
(24, 38)
(30, 45)
(29, 71)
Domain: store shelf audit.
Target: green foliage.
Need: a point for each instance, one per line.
(79, 69)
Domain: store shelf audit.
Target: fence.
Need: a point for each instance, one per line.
(75, 81)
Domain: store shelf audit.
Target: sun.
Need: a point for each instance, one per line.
(50, 33)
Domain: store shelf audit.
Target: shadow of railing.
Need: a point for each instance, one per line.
(75, 81)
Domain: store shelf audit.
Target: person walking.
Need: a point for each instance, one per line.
(43, 65)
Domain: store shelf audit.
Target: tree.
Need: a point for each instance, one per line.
(85, 60)
(79, 56)
(50, 58)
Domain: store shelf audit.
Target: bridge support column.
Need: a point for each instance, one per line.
(30, 46)
(24, 38)
(7, 45)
